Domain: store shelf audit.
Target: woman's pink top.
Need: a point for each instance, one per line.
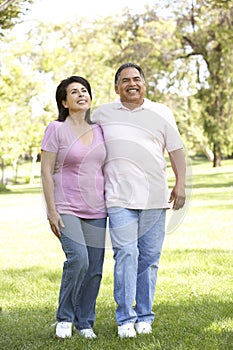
(79, 184)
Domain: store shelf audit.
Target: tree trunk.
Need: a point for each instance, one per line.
(2, 169)
(217, 156)
(15, 165)
(208, 153)
(34, 158)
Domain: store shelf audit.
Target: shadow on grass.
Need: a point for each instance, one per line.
(195, 324)
(23, 189)
(213, 180)
(188, 323)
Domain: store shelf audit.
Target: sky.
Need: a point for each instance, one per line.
(64, 10)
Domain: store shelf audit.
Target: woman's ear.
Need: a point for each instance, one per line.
(64, 104)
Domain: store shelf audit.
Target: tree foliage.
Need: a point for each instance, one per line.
(31, 70)
(187, 46)
(20, 126)
(184, 48)
(11, 11)
(207, 34)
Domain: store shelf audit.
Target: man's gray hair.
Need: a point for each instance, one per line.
(127, 65)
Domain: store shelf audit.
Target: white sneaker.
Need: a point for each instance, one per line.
(64, 329)
(143, 328)
(126, 330)
(87, 333)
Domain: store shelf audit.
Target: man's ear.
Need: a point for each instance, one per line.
(116, 89)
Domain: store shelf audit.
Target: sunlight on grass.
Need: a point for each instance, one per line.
(221, 326)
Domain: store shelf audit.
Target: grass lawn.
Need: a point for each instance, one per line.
(193, 303)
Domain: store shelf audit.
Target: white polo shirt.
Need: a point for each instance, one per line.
(135, 169)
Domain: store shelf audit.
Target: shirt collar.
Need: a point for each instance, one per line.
(145, 105)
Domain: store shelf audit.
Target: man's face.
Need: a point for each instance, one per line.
(131, 87)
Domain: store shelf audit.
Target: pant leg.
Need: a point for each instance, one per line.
(123, 224)
(150, 241)
(74, 268)
(94, 232)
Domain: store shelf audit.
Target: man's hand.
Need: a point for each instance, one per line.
(178, 164)
(177, 197)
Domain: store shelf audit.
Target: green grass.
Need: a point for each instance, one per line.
(193, 303)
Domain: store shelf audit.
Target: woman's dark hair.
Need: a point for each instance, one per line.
(127, 65)
(61, 94)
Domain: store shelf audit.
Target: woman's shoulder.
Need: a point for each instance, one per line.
(98, 132)
(55, 124)
(96, 129)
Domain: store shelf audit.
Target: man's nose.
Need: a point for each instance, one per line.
(132, 82)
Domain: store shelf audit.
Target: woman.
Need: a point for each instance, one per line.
(75, 203)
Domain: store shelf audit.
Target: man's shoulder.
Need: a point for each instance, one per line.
(106, 106)
(156, 106)
(104, 112)
(159, 109)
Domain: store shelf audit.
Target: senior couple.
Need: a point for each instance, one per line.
(111, 163)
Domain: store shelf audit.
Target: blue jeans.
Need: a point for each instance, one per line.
(137, 238)
(83, 243)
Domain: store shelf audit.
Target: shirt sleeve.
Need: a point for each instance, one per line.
(95, 117)
(50, 140)
(172, 136)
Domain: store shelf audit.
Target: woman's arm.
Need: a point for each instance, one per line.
(48, 160)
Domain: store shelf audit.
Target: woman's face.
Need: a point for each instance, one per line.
(77, 98)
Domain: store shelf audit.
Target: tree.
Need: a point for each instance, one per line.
(206, 33)
(74, 48)
(149, 39)
(10, 12)
(182, 46)
(21, 124)
(179, 46)
(33, 67)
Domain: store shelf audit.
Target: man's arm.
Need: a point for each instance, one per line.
(178, 164)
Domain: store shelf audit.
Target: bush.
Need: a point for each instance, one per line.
(3, 188)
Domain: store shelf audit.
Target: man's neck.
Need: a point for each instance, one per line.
(132, 105)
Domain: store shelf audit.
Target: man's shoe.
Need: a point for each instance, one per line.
(64, 329)
(143, 328)
(87, 333)
(126, 330)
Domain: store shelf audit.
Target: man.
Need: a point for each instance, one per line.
(137, 131)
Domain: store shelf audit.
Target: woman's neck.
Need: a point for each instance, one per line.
(77, 118)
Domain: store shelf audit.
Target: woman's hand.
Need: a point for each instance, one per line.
(55, 222)
(56, 168)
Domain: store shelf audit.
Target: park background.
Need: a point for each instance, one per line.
(185, 49)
